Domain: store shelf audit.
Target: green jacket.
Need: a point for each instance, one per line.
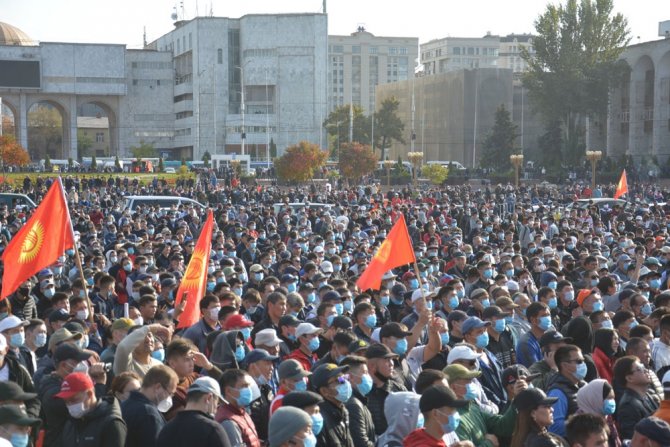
(475, 425)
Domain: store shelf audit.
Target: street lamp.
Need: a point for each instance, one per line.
(415, 158)
(244, 135)
(593, 157)
(517, 162)
(388, 164)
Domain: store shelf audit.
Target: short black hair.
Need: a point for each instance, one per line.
(581, 426)
(427, 378)
(562, 354)
(231, 376)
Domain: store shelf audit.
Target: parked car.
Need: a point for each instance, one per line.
(164, 202)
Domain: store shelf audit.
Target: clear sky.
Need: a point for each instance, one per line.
(122, 21)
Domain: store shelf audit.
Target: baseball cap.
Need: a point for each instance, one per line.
(393, 330)
(342, 322)
(73, 384)
(13, 414)
(267, 337)
(512, 373)
(655, 429)
(357, 345)
(237, 320)
(206, 385)
(257, 355)
(494, 312)
(289, 320)
(550, 337)
(69, 351)
(301, 399)
(505, 301)
(291, 369)
(473, 323)
(122, 324)
(322, 374)
(307, 329)
(59, 315)
(306, 286)
(288, 278)
(439, 396)
(327, 267)
(379, 351)
(331, 295)
(461, 352)
(12, 322)
(256, 268)
(458, 372)
(531, 398)
(11, 391)
(63, 335)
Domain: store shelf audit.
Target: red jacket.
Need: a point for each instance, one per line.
(305, 360)
(419, 438)
(604, 364)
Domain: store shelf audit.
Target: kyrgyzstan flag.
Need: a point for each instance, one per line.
(39, 243)
(395, 251)
(195, 277)
(622, 186)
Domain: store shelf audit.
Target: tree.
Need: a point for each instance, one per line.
(499, 145)
(388, 126)
(8, 124)
(117, 163)
(436, 173)
(144, 150)
(575, 64)
(206, 158)
(356, 160)
(45, 135)
(12, 152)
(161, 165)
(84, 143)
(273, 149)
(300, 161)
(550, 144)
(94, 163)
(337, 125)
(183, 161)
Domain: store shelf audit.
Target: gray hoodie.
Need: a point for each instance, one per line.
(402, 412)
(223, 350)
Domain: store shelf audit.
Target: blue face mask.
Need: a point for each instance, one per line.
(210, 286)
(239, 353)
(454, 422)
(301, 386)
(429, 305)
(413, 284)
(19, 439)
(500, 325)
(482, 340)
(453, 302)
(544, 323)
(552, 285)
(258, 276)
(655, 283)
(371, 321)
(246, 332)
(460, 293)
(569, 295)
(131, 251)
(385, 300)
(244, 399)
(366, 385)
(311, 297)
(339, 308)
(420, 421)
(314, 344)
(397, 301)
(291, 287)
(646, 309)
(444, 338)
(609, 406)
(486, 303)
(509, 319)
(581, 370)
(488, 273)
(317, 423)
(17, 340)
(401, 346)
(344, 391)
(329, 320)
(553, 303)
(607, 324)
(509, 273)
(348, 305)
(598, 305)
(594, 282)
(159, 354)
(470, 391)
(238, 291)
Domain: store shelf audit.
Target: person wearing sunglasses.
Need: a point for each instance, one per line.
(332, 383)
(636, 402)
(570, 378)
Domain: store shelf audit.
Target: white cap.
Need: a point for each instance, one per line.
(206, 385)
(461, 352)
(666, 381)
(512, 285)
(418, 293)
(307, 329)
(388, 275)
(11, 322)
(375, 335)
(327, 267)
(267, 337)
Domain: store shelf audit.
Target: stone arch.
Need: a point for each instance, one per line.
(48, 131)
(9, 114)
(97, 109)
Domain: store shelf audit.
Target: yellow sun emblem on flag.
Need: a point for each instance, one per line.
(193, 275)
(32, 243)
(384, 251)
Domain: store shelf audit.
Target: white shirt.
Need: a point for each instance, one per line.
(660, 353)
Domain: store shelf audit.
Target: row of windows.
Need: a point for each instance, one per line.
(356, 49)
(250, 129)
(151, 82)
(257, 52)
(152, 65)
(153, 117)
(182, 115)
(154, 134)
(182, 132)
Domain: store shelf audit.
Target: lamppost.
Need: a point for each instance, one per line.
(415, 158)
(593, 157)
(517, 162)
(243, 134)
(388, 164)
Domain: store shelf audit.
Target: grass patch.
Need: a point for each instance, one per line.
(16, 178)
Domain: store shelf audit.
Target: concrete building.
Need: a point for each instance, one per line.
(358, 63)
(93, 135)
(454, 112)
(184, 92)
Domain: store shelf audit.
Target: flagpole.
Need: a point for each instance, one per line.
(77, 258)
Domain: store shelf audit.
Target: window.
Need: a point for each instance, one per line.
(178, 47)
(99, 137)
(373, 50)
(403, 50)
(219, 55)
(471, 51)
(338, 49)
(393, 51)
(456, 51)
(356, 49)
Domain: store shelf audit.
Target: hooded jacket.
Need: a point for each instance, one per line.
(402, 412)
(223, 350)
(102, 427)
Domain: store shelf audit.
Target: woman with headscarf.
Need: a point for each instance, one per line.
(536, 415)
(606, 345)
(597, 397)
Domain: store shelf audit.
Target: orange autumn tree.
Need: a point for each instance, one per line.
(12, 152)
(356, 160)
(300, 162)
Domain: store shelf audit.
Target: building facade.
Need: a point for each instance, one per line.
(358, 63)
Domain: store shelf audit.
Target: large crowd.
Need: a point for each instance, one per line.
(527, 321)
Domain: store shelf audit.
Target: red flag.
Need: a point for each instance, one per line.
(622, 186)
(195, 277)
(395, 251)
(39, 243)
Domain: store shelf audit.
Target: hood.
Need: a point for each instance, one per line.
(223, 350)
(590, 397)
(581, 332)
(401, 411)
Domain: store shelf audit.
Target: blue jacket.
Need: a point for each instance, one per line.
(491, 379)
(528, 350)
(143, 420)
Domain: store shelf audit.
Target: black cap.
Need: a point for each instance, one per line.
(342, 322)
(12, 414)
(439, 396)
(301, 399)
(12, 391)
(59, 315)
(68, 351)
(655, 429)
(553, 337)
(306, 286)
(532, 398)
(257, 355)
(289, 320)
(456, 315)
(393, 330)
(379, 351)
(494, 312)
(331, 295)
(325, 372)
(512, 373)
(358, 345)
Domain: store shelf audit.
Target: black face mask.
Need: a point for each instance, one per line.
(24, 291)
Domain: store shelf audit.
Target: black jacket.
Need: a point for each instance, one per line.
(143, 420)
(335, 432)
(631, 409)
(102, 427)
(193, 428)
(361, 426)
(54, 411)
(376, 399)
(19, 375)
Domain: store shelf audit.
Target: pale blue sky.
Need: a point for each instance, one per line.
(122, 21)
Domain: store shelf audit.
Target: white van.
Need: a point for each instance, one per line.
(448, 164)
(164, 202)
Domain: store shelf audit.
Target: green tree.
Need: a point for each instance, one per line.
(388, 125)
(550, 144)
(337, 125)
(84, 143)
(499, 145)
(144, 150)
(206, 158)
(356, 160)
(574, 64)
(300, 161)
(437, 174)
(45, 131)
(161, 165)
(94, 163)
(47, 163)
(273, 149)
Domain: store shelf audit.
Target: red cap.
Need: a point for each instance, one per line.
(73, 384)
(237, 320)
(408, 275)
(583, 294)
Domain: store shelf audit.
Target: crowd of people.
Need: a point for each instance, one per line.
(527, 321)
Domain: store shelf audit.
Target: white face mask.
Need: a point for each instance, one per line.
(165, 405)
(139, 321)
(82, 314)
(214, 313)
(77, 410)
(81, 367)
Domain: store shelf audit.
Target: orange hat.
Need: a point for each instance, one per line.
(583, 294)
